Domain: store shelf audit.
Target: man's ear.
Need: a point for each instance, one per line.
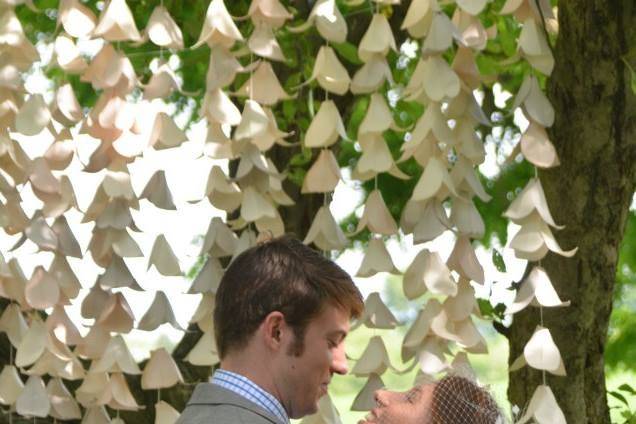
(274, 330)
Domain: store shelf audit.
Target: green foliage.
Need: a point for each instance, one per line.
(621, 341)
(627, 413)
(198, 265)
(490, 311)
(406, 113)
(499, 60)
(498, 261)
(348, 51)
(40, 23)
(298, 165)
(358, 110)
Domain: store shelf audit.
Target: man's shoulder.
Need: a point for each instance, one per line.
(220, 414)
(213, 404)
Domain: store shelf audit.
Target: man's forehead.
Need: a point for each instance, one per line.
(332, 319)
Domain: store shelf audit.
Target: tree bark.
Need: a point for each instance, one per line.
(595, 136)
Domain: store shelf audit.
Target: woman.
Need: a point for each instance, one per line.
(452, 400)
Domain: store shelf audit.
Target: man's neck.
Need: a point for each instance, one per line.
(245, 385)
(246, 366)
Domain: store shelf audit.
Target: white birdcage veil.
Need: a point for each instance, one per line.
(460, 400)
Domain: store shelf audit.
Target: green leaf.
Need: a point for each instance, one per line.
(407, 113)
(621, 341)
(289, 109)
(619, 397)
(358, 111)
(630, 417)
(497, 261)
(198, 265)
(348, 51)
(508, 30)
(488, 310)
(627, 388)
(293, 81)
(296, 176)
(302, 158)
(486, 64)
(485, 307)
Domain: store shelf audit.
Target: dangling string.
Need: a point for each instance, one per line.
(251, 75)
(161, 49)
(325, 253)
(536, 175)
(327, 91)
(541, 319)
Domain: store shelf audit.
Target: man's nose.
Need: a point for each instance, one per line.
(339, 361)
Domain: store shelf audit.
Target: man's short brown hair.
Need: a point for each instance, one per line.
(282, 275)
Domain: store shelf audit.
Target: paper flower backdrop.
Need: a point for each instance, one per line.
(241, 108)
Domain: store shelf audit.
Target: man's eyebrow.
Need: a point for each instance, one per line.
(341, 334)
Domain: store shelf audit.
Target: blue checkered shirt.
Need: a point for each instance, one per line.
(246, 388)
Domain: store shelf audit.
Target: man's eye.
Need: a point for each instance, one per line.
(331, 343)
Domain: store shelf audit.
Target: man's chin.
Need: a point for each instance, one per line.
(314, 409)
(305, 412)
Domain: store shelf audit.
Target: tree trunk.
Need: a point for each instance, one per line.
(595, 136)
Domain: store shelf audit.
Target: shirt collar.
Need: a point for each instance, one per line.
(251, 391)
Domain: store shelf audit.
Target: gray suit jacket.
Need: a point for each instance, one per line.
(211, 404)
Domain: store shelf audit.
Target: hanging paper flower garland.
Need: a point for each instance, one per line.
(443, 142)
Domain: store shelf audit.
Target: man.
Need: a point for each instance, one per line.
(282, 314)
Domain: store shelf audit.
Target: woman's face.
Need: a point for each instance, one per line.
(408, 407)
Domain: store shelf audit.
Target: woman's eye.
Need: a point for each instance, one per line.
(412, 395)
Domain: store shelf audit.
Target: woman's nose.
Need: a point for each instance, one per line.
(381, 397)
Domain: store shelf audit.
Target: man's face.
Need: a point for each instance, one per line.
(411, 407)
(304, 378)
